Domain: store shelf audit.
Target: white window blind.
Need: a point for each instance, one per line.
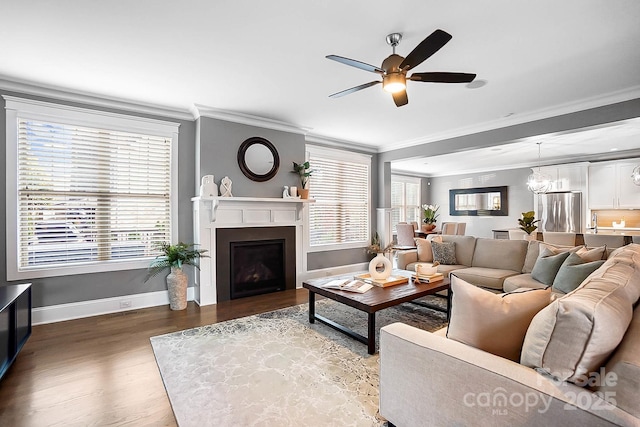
(87, 195)
(340, 187)
(405, 199)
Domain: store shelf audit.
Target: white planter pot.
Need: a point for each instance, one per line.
(380, 261)
(177, 286)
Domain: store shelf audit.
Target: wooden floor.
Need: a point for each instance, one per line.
(101, 371)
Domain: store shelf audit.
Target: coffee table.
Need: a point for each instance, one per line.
(371, 301)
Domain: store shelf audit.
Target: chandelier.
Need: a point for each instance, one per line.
(635, 175)
(539, 182)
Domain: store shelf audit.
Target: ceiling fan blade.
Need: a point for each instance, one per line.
(426, 48)
(353, 89)
(357, 64)
(443, 77)
(400, 98)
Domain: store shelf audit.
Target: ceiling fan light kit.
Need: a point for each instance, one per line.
(395, 67)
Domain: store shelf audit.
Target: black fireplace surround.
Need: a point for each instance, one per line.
(254, 260)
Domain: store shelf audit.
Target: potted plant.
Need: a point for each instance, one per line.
(304, 170)
(173, 257)
(527, 222)
(430, 213)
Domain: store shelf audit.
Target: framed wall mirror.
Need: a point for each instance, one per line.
(483, 201)
(258, 159)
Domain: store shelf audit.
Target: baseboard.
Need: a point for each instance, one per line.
(78, 310)
(334, 271)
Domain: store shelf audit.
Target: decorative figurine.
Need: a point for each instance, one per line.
(225, 187)
(208, 187)
(285, 193)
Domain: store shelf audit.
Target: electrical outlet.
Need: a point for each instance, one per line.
(125, 303)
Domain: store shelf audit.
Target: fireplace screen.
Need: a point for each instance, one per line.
(257, 267)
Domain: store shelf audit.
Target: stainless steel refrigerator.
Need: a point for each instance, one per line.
(560, 211)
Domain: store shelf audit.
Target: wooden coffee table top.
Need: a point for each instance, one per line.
(377, 298)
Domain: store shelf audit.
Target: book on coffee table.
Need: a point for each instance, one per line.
(349, 285)
(428, 279)
(383, 283)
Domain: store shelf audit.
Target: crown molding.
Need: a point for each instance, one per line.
(340, 143)
(92, 99)
(199, 110)
(517, 119)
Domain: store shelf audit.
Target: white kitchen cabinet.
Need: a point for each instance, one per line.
(611, 187)
(571, 177)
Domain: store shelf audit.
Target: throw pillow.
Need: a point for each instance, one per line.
(444, 253)
(534, 249)
(425, 253)
(492, 322)
(594, 254)
(573, 271)
(547, 266)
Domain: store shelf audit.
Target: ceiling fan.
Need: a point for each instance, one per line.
(394, 68)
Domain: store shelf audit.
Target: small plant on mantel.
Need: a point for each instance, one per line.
(528, 221)
(304, 170)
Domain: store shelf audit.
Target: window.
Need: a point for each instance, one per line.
(92, 191)
(340, 185)
(405, 199)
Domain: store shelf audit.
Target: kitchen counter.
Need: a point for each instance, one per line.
(629, 234)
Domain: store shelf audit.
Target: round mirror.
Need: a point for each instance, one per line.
(258, 159)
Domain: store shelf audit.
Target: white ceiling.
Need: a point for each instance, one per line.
(267, 59)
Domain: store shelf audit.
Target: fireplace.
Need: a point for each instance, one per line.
(254, 260)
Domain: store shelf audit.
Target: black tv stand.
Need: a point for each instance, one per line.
(15, 322)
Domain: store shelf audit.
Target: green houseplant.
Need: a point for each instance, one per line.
(173, 257)
(304, 171)
(430, 213)
(528, 221)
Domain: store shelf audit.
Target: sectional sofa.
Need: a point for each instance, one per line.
(579, 363)
(497, 264)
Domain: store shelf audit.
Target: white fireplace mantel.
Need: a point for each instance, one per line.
(211, 213)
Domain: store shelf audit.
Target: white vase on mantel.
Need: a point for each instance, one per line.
(380, 261)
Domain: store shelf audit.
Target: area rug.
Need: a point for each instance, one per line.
(277, 369)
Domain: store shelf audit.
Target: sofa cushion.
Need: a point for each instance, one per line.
(576, 333)
(521, 281)
(425, 252)
(593, 254)
(547, 266)
(491, 322)
(499, 253)
(444, 253)
(465, 247)
(622, 390)
(534, 248)
(573, 271)
(486, 277)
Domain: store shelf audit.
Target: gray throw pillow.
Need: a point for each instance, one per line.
(572, 272)
(547, 266)
(444, 253)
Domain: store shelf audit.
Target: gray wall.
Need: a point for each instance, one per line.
(85, 287)
(519, 198)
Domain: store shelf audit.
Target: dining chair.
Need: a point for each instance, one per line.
(595, 240)
(461, 228)
(405, 236)
(448, 228)
(559, 238)
(516, 234)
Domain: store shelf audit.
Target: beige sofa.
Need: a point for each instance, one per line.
(497, 264)
(429, 379)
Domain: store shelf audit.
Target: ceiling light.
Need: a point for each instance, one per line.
(394, 82)
(635, 175)
(539, 182)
